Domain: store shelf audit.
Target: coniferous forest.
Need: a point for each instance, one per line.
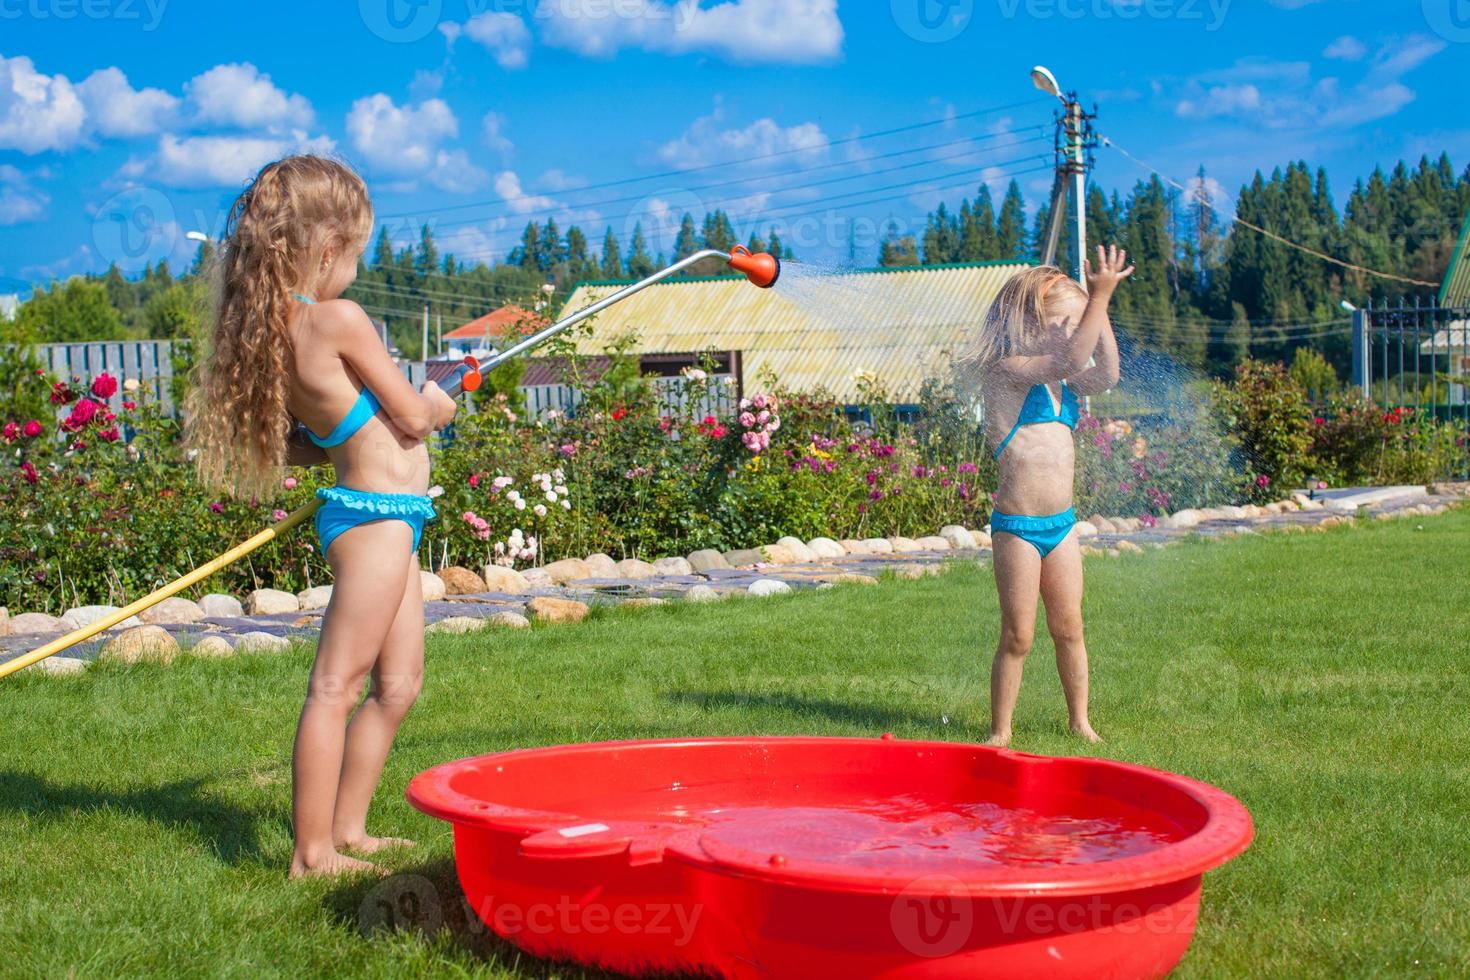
(1208, 290)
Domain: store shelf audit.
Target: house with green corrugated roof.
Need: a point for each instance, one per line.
(1455, 292)
(1453, 339)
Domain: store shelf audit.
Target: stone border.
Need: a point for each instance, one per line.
(460, 601)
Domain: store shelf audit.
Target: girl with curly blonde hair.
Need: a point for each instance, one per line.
(285, 346)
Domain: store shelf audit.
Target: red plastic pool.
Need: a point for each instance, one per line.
(825, 857)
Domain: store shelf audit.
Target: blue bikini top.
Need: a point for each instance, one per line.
(1038, 408)
(357, 416)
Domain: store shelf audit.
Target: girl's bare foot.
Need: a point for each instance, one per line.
(330, 865)
(999, 741)
(1084, 730)
(371, 845)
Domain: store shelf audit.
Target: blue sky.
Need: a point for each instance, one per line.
(126, 123)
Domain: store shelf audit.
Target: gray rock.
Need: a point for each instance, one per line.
(80, 616)
(536, 578)
(213, 646)
(673, 567)
(744, 557)
(262, 642)
(934, 543)
(217, 604)
(567, 570)
(826, 548)
(174, 609)
(959, 539)
(58, 666)
(854, 547)
(1085, 530)
(904, 546)
(141, 643)
(4, 620)
(702, 593)
(633, 568)
(799, 549)
(498, 578)
(433, 586)
(39, 623)
(768, 587)
(267, 601)
(510, 620)
(880, 546)
(601, 566)
(315, 598)
(457, 625)
(706, 560)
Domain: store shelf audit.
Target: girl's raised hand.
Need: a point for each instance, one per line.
(1112, 268)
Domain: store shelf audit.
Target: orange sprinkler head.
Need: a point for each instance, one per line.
(466, 377)
(761, 268)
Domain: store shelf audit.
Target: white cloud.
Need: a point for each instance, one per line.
(37, 112)
(400, 140)
(454, 172)
(19, 200)
(218, 161)
(1346, 48)
(116, 109)
(239, 95)
(781, 31)
(504, 35)
(1221, 100)
(508, 186)
(492, 131)
(559, 180)
(705, 142)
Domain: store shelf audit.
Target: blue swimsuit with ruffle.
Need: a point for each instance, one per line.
(344, 508)
(1042, 533)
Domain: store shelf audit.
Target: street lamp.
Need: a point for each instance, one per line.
(1074, 138)
(1044, 80)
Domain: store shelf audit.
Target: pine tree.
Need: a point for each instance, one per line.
(687, 241)
(426, 259)
(1011, 227)
(984, 218)
(383, 254)
(577, 258)
(897, 251)
(640, 266)
(941, 238)
(612, 256)
(531, 251)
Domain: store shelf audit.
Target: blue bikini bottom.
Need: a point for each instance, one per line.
(1044, 533)
(344, 508)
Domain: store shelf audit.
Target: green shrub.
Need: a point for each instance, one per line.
(1267, 411)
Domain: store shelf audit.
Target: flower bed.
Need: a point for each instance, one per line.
(103, 507)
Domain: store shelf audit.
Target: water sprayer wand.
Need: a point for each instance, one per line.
(760, 268)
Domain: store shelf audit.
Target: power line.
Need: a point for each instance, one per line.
(1271, 234)
(755, 159)
(832, 180)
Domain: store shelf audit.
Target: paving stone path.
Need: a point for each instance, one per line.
(1334, 508)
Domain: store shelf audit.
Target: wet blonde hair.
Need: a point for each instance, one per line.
(276, 238)
(1017, 321)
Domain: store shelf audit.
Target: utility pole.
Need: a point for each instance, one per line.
(1075, 141)
(439, 328)
(424, 346)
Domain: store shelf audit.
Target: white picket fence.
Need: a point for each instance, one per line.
(150, 363)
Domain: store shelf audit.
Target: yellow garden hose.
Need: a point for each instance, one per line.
(153, 598)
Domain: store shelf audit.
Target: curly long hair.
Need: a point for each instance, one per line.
(1016, 322)
(276, 236)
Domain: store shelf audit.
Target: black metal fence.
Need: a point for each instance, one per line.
(1414, 356)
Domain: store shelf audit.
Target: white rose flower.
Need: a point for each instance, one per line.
(520, 504)
(540, 510)
(551, 496)
(566, 505)
(561, 488)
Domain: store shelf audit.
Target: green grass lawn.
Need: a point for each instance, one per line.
(1321, 678)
